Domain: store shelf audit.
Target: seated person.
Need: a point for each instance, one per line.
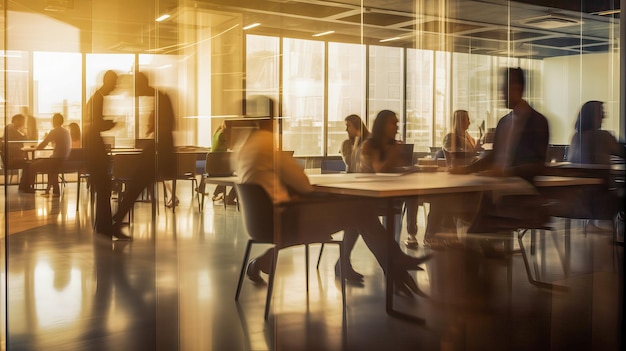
(60, 138)
(458, 141)
(74, 134)
(314, 218)
(15, 157)
(519, 149)
(590, 144)
(380, 153)
(351, 147)
(351, 154)
(220, 143)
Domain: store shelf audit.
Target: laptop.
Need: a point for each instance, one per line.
(406, 155)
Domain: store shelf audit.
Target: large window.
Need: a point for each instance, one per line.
(57, 90)
(386, 82)
(346, 90)
(419, 98)
(303, 96)
(262, 65)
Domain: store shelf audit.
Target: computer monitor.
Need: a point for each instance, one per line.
(406, 155)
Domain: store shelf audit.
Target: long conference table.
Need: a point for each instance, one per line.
(392, 186)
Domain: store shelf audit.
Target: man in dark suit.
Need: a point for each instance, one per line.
(521, 138)
(519, 150)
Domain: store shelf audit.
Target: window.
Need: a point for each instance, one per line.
(419, 96)
(303, 96)
(346, 90)
(385, 73)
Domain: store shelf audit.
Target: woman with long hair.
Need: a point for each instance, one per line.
(380, 153)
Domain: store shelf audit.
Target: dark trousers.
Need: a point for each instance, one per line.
(100, 178)
(49, 166)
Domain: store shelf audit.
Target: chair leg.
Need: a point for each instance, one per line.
(319, 258)
(77, 190)
(342, 261)
(244, 265)
(270, 285)
(532, 280)
(174, 195)
(306, 265)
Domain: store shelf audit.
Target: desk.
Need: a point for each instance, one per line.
(392, 186)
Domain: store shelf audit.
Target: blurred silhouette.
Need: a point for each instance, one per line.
(381, 152)
(30, 123)
(519, 149)
(156, 162)
(590, 144)
(312, 217)
(351, 154)
(15, 157)
(351, 147)
(74, 134)
(220, 143)
(97, 157)
(60, 138)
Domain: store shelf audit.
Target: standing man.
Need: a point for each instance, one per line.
(97, 158)
(60, 137)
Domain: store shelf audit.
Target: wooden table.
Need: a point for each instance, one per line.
(393, 186)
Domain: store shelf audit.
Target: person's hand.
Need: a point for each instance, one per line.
(496, 172)
(108, 124)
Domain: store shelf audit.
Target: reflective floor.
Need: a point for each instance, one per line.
(173, 287)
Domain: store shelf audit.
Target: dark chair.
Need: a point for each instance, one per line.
(260, 215)
(75, 163)
(517, 214)
(185, 170)
(217, 164)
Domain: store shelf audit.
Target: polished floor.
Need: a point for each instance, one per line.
(173, 287)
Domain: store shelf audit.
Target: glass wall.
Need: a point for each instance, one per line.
(319, 61)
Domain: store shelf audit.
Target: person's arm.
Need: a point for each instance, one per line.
(346, 153)
(615, 148)
(46, 140)
(292, 175)
(447, 142)
(373, 157)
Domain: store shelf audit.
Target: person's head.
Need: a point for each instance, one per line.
(460, 121)
(590, 116)
(385, 127)
(142, 85)
(513, 84)
(57, 120)
(109, 82)
(18, 120)
(74, 131)
(355, 127)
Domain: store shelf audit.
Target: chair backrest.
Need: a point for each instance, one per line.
(257, 211)
(185, 165)
(75, 162)
(124, 165)
(333, 166)
(218, 164)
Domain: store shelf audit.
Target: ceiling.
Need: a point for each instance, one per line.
(494, 27)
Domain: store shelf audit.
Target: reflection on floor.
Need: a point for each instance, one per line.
(173, 287)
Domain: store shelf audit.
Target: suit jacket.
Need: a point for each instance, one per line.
(530, 148)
